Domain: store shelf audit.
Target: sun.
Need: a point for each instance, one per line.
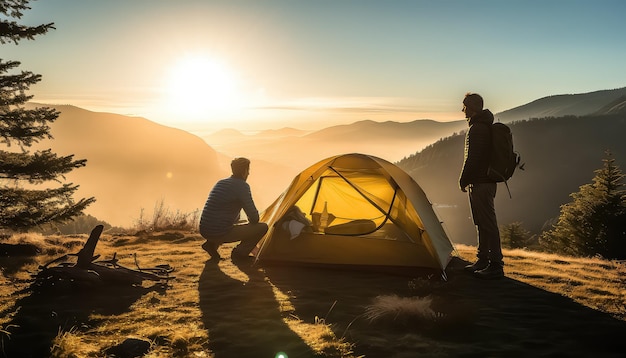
(200, 88)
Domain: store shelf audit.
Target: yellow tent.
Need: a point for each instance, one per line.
(354, 210)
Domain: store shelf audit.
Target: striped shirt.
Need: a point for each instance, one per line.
(223, 207)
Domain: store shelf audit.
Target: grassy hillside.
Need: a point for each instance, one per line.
(546, 306)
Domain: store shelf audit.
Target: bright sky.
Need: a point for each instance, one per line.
(262, 64)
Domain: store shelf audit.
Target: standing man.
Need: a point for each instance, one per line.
(220, 222)
(482, 190)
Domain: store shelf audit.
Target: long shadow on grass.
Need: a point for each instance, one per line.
(514, 318)
(476, 318)
(45, 313)
(243, 318)
(338, 298)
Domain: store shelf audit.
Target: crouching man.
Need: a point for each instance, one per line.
(220, 222)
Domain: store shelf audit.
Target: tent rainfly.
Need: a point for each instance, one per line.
(357, 211)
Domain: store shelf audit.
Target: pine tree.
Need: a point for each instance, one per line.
(23, 202)
(514, 236)
(594, 223)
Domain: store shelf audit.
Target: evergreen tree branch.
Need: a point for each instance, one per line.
(11, 31)
(26, 127)
(21, 209)
(38, 167)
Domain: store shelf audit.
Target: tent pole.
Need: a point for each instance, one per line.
(386, 213)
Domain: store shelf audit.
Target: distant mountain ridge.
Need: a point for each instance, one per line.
(389, 140)
(371, 130)
(565, 105)
(132, 163)
(282, 132)
(230, 135)
(616, 107)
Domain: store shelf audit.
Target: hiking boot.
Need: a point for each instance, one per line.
(481, 264)
(492, 272)
(211, 248)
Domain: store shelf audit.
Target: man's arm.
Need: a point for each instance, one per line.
(478, 147)
(248, 205)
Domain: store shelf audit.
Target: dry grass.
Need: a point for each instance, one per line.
(593, 282)
(164, 218)
(396, 308)
(221, 309)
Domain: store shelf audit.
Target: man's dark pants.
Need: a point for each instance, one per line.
(481, 197)
(248, 234)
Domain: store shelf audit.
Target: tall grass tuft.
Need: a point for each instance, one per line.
(394, 307)
(165, 219)
(69, 345)
(4, 333)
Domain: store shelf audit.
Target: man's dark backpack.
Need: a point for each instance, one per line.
(504, 159)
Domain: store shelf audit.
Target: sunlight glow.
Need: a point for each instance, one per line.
(199, 88)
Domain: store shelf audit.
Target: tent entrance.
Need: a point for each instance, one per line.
(358, 202)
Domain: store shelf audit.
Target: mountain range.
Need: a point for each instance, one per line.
(133, 163)
(298, 149)
(598, 102)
